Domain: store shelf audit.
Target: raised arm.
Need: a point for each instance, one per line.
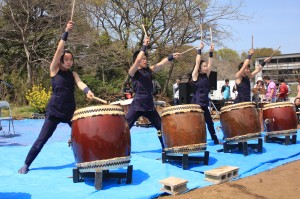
(259, 67)
(54, 66)
(139, 58)
(82, 86)
(210, 59)
(197, 65)
(239, 74)
(166, 61)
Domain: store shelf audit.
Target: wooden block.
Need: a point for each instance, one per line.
(221, 174)
(173, 185)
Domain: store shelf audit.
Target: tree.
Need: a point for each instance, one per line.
(167, 22)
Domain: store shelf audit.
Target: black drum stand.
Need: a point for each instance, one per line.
(182, 154)
(242, 145)
(285, 137)
(101, 175)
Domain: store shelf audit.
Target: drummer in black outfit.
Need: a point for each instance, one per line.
(62, 102)
(243, 76)
(200, 79)
(141, 78)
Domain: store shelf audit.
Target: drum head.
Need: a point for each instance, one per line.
(181, 109)
(237, 106)
(277, 105)
(98, 110)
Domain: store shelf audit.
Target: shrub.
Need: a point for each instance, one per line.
(38, 98)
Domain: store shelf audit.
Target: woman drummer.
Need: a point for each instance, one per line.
(200, 81)
(62, 102)
(141, 78)
(243, 76)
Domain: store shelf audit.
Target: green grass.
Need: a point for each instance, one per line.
(18, 112)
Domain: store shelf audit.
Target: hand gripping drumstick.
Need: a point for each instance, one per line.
(101, 100)
(144, 30)
(73, 7)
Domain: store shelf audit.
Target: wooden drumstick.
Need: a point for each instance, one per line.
(101, 100)
(144, 30)
(188, 50)
(201, 37)
(73, 7)
(211, 41)
(252, 43)
(275, 51)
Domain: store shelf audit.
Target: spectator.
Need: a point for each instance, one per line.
(283, 90)
(127, 90)
(271, 89)
(176, 91)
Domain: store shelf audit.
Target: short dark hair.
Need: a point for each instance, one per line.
(136, 53)
(241, 65)
(226, 80)
(63, 55)
(280, 79)
(266, 78)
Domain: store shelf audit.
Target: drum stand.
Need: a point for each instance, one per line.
(242, 145)
(185, 158)
(211, 103)
(289, 137)
(100, 175)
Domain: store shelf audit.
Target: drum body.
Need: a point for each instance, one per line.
(280, 116)
(100, 132)
(239, 120)
(183, 125)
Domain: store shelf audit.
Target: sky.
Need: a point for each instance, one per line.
(275, 23)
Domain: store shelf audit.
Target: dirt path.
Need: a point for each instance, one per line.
(279, 183)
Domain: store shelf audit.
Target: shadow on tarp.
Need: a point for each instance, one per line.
(14, 195)
(71, 165)
(138, 178)
(10, 144)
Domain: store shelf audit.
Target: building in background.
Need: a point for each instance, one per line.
(286, 66)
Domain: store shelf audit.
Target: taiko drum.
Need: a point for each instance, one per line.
(280, 116)
(239, 119)
(183, 125)
(100, 132)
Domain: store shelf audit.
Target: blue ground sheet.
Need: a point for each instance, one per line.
(50, 175)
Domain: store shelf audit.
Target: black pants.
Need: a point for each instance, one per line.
(47, 130)
(210, 124)
(152, 116)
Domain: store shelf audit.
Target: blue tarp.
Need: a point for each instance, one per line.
(50, 175)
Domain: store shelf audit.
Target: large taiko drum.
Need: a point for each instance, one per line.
(100, 137)
(240, 121)
(183, 128)
(280, 116)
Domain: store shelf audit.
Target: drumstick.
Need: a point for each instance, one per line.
(275, 51)
(188, 50)
(101, 100)
(211, 43)
(144, 30)
(201, 38)
(73, 7)
(252, 42)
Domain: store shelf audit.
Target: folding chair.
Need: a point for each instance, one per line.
(7, 116)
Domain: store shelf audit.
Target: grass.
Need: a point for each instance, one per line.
(18, 112)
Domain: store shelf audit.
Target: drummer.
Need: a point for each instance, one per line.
(200, 79)
(141, 78)
(62, 102)
(243, 76)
